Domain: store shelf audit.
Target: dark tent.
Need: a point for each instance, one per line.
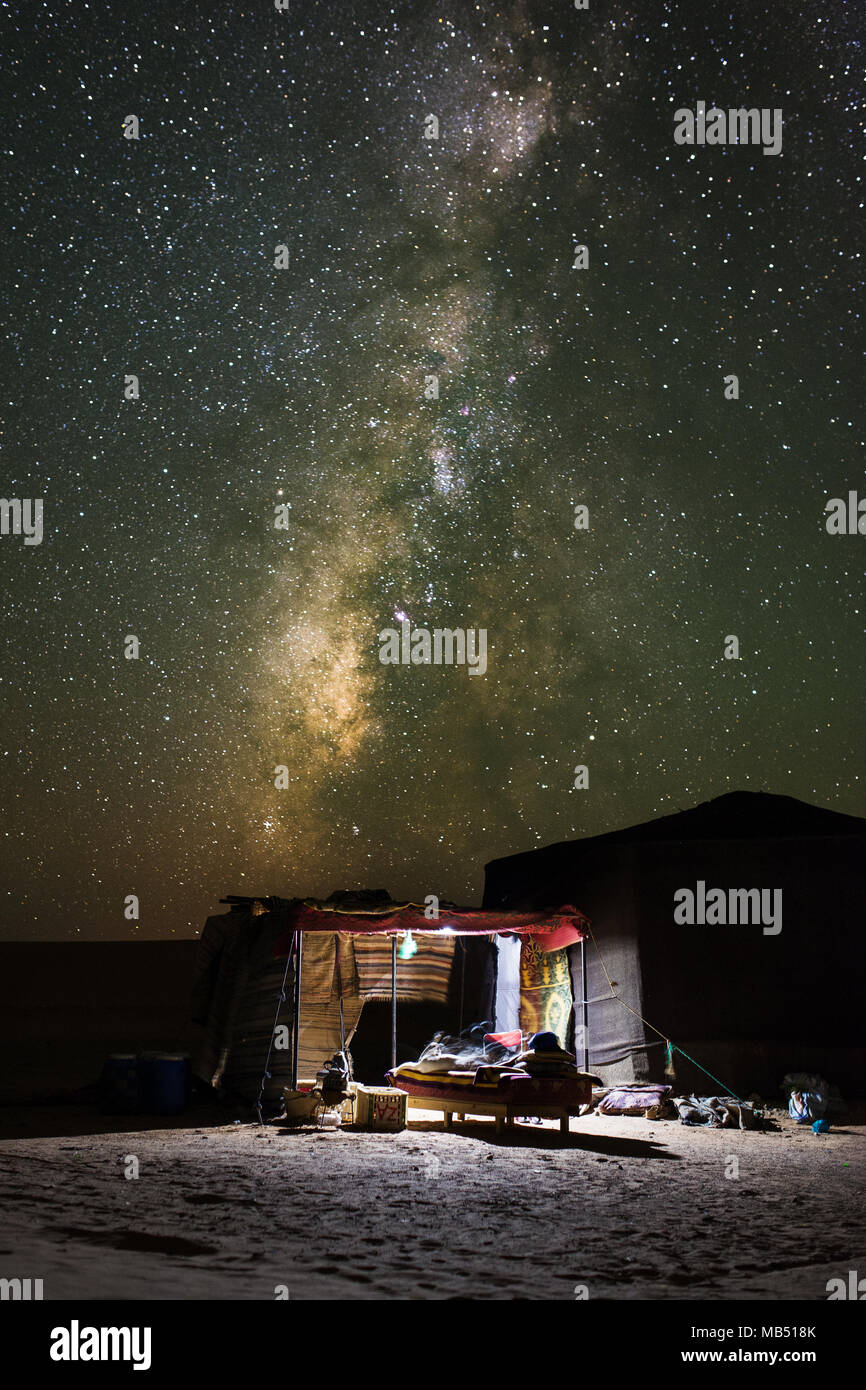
(747, 999)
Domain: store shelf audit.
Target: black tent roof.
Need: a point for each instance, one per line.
(739, 815)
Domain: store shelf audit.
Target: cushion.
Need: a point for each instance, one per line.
(514, 1038)
(633, 1100)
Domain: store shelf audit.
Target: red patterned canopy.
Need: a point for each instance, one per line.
(556, 929)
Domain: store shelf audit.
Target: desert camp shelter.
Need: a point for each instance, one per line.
(281, 983)
(682, 952)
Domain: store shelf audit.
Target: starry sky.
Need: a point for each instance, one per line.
(304, 387)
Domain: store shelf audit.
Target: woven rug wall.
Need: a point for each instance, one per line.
(424, 978)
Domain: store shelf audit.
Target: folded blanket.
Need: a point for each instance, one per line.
(409, 1076)
(551, 1061)
(491, 1073)
(535, 1067)
(717, 1112)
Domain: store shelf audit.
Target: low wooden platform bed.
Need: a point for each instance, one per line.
(506, 1095)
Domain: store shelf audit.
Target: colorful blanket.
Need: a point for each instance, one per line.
(425, 977)
(515, 1089)
(545, 990)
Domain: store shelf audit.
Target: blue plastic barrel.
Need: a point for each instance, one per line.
(169, 1083)
(146, 1062)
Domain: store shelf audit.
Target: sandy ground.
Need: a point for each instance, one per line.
(628, 1208)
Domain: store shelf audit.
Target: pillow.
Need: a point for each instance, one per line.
(512, 1039)
(634, 1099)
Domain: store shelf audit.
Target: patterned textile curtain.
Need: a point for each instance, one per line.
(545, 990)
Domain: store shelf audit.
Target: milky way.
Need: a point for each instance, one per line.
(308, 388)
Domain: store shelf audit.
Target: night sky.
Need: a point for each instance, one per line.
(305, 386)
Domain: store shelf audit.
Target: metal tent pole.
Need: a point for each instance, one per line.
(585, 1004)
(296, 1030)
(393, 1002)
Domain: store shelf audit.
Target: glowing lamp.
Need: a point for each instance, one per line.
(409, 947)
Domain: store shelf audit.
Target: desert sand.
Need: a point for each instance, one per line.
(619, 1209)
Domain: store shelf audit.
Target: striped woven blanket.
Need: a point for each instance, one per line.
(423, 978)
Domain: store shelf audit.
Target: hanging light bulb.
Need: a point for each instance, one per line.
(409, 947)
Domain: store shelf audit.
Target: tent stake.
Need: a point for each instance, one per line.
(393, 1002)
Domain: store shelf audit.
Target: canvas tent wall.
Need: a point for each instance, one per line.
(748, 1006)
(237, 999)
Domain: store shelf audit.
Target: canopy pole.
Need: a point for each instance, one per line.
(583, 992)
(296, 1030)
(393, 1002)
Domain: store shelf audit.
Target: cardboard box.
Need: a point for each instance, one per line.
(381, 1108)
